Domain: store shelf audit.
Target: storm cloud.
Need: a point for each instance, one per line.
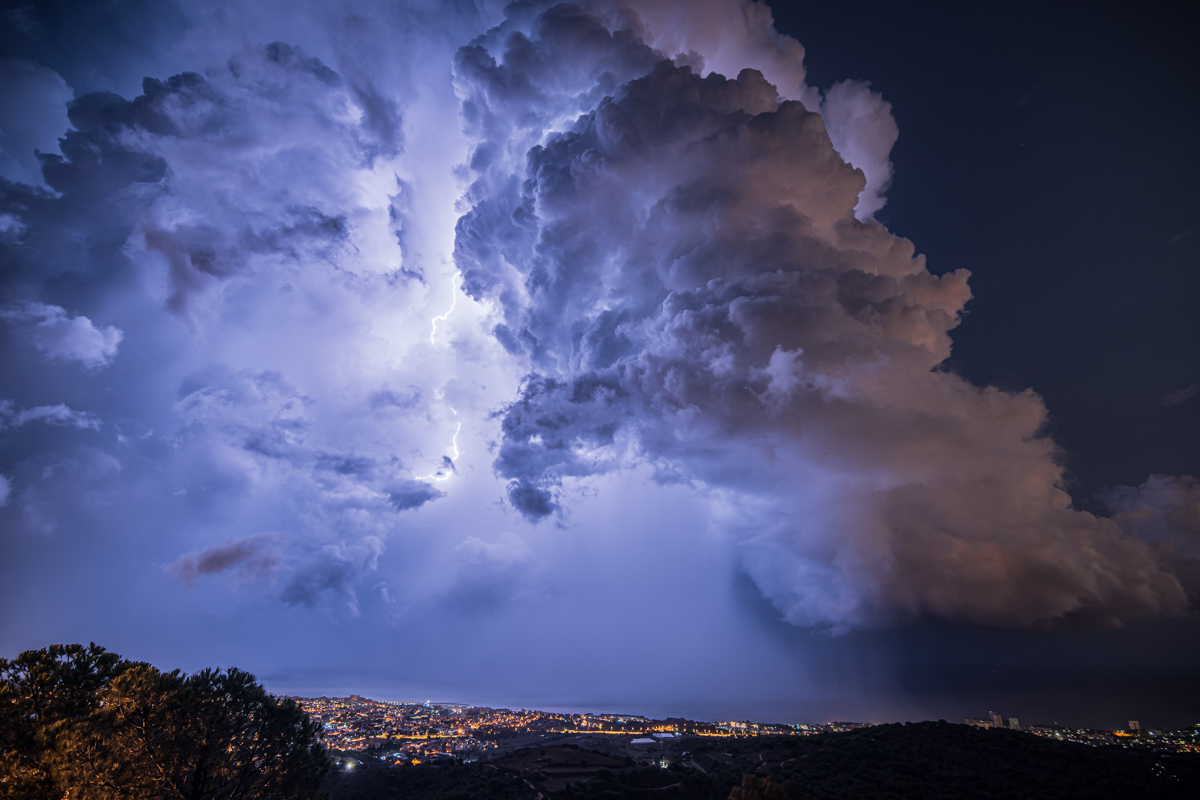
(58, 336)
(684, 270)
(244, 227)
(449, 319)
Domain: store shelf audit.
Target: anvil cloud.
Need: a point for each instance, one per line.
(358, 306)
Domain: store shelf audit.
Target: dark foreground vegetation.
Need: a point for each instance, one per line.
(931, 761)
(79, 723)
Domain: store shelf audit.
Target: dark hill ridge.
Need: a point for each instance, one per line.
(922, 760)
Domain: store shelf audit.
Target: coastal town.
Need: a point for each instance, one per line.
(417, 732)
(414, 733)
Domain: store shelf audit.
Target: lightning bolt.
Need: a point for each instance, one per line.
(447, 468)
(453, 302)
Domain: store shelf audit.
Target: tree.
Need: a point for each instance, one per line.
(214, 735)
(143, 734)
(42, 694)
(755, 788)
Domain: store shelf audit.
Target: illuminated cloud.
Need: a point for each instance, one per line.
(58, 414)
(333, 573)
(255, 236)
(491, 313)
(33, 102)
(727, 37)
(1165, 506)
(64, 338)
(491, 573)
(684, 270)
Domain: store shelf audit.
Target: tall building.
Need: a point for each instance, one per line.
(997, 720)
(1134, 725)
(1014, 723)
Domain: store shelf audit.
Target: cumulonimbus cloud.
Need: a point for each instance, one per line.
(325, 274)
(259, 210)
(684, 270)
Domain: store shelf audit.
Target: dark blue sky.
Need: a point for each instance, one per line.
(414, 350)
(1050, 149)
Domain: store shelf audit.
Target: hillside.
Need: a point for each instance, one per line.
(923, 760)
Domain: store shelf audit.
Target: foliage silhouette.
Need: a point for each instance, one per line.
(83, 724)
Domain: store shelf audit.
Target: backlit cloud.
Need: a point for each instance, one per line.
(503, 317)
(33, 102)
(685, 272)
(62, 337)
(58, 414)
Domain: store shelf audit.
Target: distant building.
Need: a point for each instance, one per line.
(1014, 723)
(997, 720)
(355, 698)
(643, 741)
(1134, 725)
(978, 723)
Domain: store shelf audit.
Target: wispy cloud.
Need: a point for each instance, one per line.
(1179, 396)
(59, 414)
(253, 558)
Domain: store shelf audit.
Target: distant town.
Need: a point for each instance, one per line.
(1185, 740)
(413, 733)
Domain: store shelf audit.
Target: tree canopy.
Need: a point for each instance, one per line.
(81, 723)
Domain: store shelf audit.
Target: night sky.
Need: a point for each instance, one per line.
(623, 356)
(1075, 119)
